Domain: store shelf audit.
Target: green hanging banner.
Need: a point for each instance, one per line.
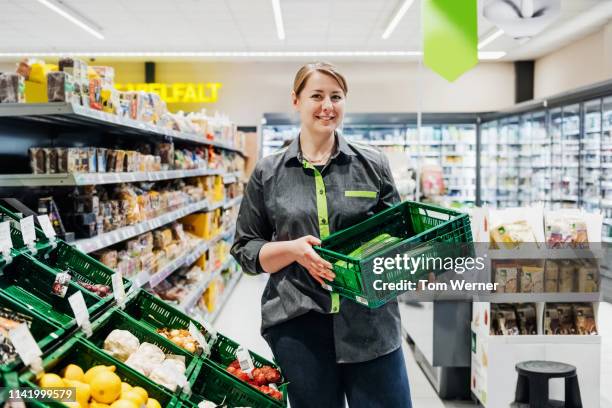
(450, 35)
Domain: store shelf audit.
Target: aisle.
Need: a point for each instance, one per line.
(241, 317)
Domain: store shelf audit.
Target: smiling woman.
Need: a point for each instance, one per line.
(328, 348)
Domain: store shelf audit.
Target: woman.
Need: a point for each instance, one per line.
(327, 347)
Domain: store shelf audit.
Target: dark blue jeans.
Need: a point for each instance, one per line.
(304, 349)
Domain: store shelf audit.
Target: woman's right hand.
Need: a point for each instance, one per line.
(306, 256)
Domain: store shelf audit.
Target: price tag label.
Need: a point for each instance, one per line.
(209, 328)
(26, 225)
(245, 361)
(6, 243)
(24, 344)
(199, 337)
(79, 308)
(118, 288)
(46, 225)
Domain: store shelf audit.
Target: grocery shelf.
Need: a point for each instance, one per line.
(191, 299)
(121, 234)
(84, 179)
(232, 177)
(66, 113)
(224, 297)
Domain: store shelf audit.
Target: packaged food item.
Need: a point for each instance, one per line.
(62, 160)
(552, 324)
(111, 160)
(12, 88)
(166, 153)
(108, 257)
(585, 319)
(37, 160)
(127, 105)
(566, 319)
(567, 270)
(60, 87)
(551, 276)
(78, 70)
(503, 320)
(588, 276)
(95, 96)
(532, 279)
(110, 100)
(106, 74)
(120, 161)
(50, 160)
(509, 235)
(73, 159)
(526, 314)
(101, 154)
(162, 238)
(506, 275)
(565, 230)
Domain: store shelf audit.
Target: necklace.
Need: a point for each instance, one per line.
(321, 160)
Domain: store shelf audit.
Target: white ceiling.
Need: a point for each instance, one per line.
(248, 25)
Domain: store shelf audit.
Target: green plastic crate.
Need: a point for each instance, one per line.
(214, 383)
(41, 240)
(44, 332)
(81, 266)
(76, 351)
(418, 226)
(154, 314)
(29, 282)
(115, 319)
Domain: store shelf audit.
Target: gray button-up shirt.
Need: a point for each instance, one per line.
(280, 204)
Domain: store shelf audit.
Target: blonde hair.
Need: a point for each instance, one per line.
(323, 67)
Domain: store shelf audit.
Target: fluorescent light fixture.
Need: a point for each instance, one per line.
(71, 18)
(278, 19)
(483, 55)
(498, 33)
(396, 18)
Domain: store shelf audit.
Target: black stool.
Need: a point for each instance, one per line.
(532, 385)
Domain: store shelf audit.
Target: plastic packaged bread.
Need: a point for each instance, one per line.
(12, 88)
(60, 87)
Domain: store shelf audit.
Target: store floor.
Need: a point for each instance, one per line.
(240, 320)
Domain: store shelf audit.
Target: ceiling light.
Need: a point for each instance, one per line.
(498, 33)
(278, 19)
(396, 18)
(71, 18)
(483, 55)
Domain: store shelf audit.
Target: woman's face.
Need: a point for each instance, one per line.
(320, 104)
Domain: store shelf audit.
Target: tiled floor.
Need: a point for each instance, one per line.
(240, 320)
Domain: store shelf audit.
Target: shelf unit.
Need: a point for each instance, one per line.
(63, 124)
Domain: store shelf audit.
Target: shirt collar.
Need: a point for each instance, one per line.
(294, 152)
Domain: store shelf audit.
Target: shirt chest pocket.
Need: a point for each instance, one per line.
(359, 201)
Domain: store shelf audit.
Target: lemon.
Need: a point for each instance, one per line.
(51, 380)
(96, 369)
(153, 403)
(95, 404)
(134, 396)
(83, 391)
(143, 393)
(124, 404)
(73, 372)
(105, 386)
(125, 387)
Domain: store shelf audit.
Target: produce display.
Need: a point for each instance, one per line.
(9, 319)
(99, 289)
(146, 358)
(98, 387)
(181, 338)
(264, 378)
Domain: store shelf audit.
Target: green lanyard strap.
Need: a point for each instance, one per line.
(323, 220)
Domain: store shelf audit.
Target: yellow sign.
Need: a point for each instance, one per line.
(178, 92)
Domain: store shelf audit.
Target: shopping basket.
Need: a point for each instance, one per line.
(30, 283)
(421, 230)
(44, 332)
(117, 320)
(76, 351)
